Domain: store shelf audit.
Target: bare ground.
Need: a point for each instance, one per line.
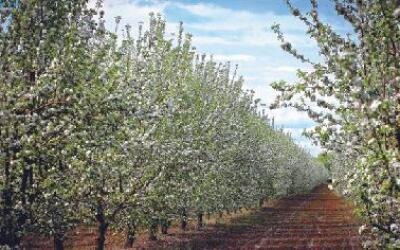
(318, 220)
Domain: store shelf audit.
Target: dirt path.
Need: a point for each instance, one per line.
(319, 220)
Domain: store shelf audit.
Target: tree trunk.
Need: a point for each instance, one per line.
(58, 241)
(9, 235)
(183, 220)
(101, 240)
(218, 219)
(199, 220)
(153, 231)
(9, 230)
(164, 226)
(102, 229)
(183, 224)
(398, 137)
(130, 237)
(260, 203)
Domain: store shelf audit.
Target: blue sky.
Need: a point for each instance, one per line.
(239, 31)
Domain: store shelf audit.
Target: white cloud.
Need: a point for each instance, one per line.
(235, 58)
(246, 28)
(302, 141)
(295, 132)
(251, 79)
(212, 40)
(247, 39)
(289, 117)
(310, 147)
(285, 69)
(204, 10)
(241, 19)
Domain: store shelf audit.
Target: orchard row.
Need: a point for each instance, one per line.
(126, 133)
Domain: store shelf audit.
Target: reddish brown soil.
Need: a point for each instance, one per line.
(319, 220)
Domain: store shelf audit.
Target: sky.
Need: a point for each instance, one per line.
(239, 31)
